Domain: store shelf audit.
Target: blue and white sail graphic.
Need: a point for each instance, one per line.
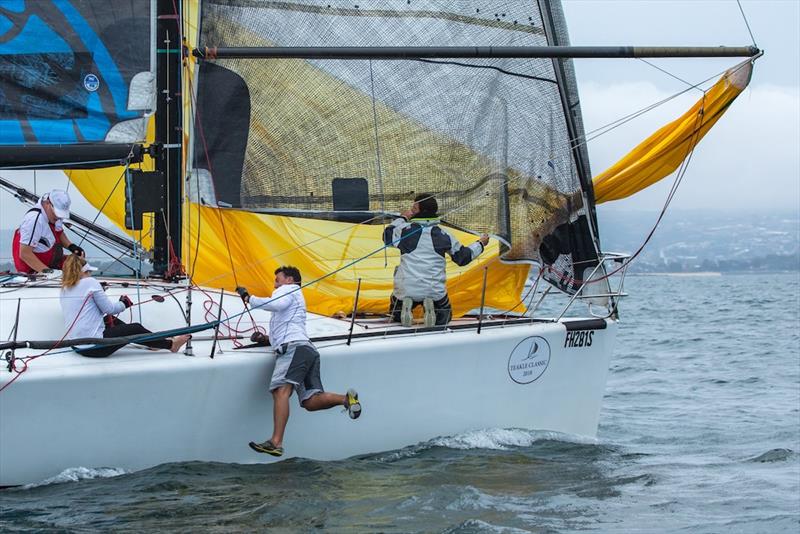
(66, 68)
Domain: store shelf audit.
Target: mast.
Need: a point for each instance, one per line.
(555, 28)
(169, 133)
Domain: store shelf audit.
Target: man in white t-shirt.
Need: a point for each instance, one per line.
(38, 242)
(296, 359)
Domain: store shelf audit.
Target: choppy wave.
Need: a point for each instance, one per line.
(476, 526)
(498, 439)
(774, 455)
(74, 474)
(502, 439)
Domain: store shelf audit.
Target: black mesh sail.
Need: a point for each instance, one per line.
(493, 139)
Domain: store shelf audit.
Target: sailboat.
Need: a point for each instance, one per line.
(227, 138)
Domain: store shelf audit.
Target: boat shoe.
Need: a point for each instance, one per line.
(430, 312)
(406, 317)
(351, 404)
(267, 448)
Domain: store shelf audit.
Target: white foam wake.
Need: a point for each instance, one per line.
(488, 438)
(74, 474)
(503, 438)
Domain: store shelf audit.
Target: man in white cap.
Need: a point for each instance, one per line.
(38, 242)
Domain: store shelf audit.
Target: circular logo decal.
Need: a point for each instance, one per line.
(91, 82)
(529, 359)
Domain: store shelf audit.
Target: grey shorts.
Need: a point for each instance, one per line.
(297, 364)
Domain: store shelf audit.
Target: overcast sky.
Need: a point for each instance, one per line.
(749, 161)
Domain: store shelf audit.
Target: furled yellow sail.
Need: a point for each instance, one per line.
(259, 243)
(660, 154)
(329, 251)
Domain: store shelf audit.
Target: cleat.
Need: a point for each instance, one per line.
(267, 448)
(430, 313)
(406, 317)
(351, 404)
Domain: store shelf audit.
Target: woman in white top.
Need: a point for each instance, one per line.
(89, 313)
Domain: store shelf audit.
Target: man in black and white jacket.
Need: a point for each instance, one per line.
(420, 278)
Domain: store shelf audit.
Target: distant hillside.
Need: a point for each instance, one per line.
(688, 241)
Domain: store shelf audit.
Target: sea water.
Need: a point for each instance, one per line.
(699, 432)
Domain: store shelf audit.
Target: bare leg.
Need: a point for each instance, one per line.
(280, 413)
(178, 342)
(323, 401)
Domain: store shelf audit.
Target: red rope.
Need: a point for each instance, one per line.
(27, 359)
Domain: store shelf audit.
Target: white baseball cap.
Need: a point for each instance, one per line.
(88, 268)
(60, 201)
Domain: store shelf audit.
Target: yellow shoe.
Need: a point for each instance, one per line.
(267, 448)
(351, 404)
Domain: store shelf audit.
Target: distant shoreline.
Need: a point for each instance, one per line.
(679, 273)
(714, 273)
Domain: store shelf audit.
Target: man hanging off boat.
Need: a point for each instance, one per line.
(420, 278)
(40, 239)
(296, 359)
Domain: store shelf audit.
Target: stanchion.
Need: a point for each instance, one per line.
(216, 328)
(353, 316)
(483, 298)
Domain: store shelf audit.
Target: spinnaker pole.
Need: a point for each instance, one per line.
(430, 52)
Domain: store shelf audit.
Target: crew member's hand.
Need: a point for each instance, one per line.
(75, 249)
(260, 338)
(484, 239)
(126, 301)
(47, 270)
(242, 291)
(411, 212)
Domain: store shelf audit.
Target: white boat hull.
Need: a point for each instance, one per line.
(138, 409)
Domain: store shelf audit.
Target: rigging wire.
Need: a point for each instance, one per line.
(100, 210)
(378, 153)
(678, 179)
(670, 74)
(746, 23)
(200, 202)
(199, 127)
(490, 67)
(602, 130)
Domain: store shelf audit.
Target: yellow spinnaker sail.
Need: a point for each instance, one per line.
(260, 243)
(660, 154)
